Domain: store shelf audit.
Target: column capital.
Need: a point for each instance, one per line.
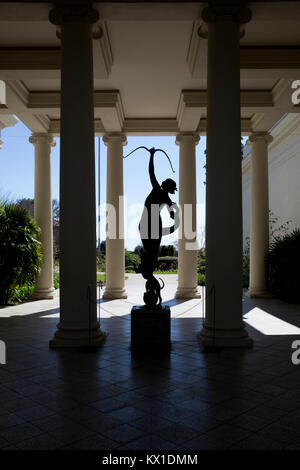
(73, 13)
(39, 136)
(231, 11)
(260, 137)
(187, 137)
(115, 137)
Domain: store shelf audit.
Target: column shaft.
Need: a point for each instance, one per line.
(78, 324)
(259, 228)
(223, 324)
(187, 242)
(115, 248)
(43, 212)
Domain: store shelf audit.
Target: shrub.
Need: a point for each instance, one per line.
(101, 262)
(56, 280)
(284, 267)
(275, 231)
(201, 260)
(20, 251)
(21, 293)
(201, 279)
(131, 260)
(167, 263)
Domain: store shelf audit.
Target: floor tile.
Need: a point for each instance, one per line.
(19, 432)
(113, 399)
(124, 434)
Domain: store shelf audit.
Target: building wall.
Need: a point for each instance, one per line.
(284, 174)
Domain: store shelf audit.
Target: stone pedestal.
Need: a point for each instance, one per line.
(150, 329)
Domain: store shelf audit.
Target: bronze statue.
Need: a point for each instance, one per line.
(151, 229)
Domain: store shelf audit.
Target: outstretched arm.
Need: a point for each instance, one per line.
(154, 182)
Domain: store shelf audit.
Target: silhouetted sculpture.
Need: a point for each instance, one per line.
(151, 229)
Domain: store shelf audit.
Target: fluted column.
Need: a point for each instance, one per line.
(78, 324)
(43, 211)
(259, 224)
(187, 242)
(223, 325)
(115, 243)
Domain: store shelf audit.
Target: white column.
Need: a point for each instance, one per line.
(223, 324)
(115, 248)
(43, 211)
(259, 228)
(78, 324)
(187, 242)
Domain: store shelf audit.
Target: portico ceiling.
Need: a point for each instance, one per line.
(149, 66)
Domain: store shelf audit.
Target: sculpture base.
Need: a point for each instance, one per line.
(150, 328)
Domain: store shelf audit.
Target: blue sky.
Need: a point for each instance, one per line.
(17, 171)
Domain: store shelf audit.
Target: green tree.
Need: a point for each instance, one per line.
(28, 204)
(167, 250)
(55, 209)
(101, 257)
(138, 249)
(131, 260)
(20, 250)
(103, 247)
(276, 230)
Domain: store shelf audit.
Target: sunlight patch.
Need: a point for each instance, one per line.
(269, 324)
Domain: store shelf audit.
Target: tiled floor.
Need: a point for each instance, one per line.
(184, 399)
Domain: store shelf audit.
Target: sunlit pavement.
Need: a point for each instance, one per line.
(180, 400)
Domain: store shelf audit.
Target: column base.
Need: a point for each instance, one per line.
(71, 338)
(236, 338)
(259, 294)
(41, 294)
(187, 293)
(111, 294)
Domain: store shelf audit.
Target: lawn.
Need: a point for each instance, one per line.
(102, 277)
